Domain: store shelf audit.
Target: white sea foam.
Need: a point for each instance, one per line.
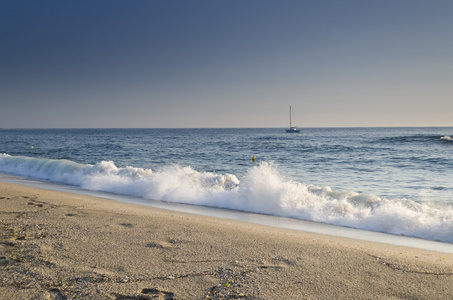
(262, 190)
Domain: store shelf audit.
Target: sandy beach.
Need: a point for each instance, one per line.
(56, 245)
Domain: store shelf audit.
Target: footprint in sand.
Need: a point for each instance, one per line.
(161, 245)
(3, 261)
(57, 295)
(153, 294)
(158, 293)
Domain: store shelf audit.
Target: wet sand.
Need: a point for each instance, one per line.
(56, 245)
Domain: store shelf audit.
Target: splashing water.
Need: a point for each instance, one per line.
(263, 189)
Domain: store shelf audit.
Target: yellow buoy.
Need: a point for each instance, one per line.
(253, 158)
(32, 147)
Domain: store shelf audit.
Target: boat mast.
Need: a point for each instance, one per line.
(289, 116)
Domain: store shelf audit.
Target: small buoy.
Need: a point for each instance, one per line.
(253, 158)
(32, 147)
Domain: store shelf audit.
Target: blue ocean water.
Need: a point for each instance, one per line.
(392, 180)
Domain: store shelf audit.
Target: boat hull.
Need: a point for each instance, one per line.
(293, 130)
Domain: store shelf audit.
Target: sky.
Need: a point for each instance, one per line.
(231, 63)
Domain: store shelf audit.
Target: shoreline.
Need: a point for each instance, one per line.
(250, 217)
(58, 245)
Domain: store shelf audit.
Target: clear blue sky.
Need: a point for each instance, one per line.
(231, 63)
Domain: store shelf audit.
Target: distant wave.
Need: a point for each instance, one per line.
(262, 190)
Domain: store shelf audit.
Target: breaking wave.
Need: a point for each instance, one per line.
(262, 190)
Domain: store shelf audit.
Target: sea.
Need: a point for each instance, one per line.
(397, 181)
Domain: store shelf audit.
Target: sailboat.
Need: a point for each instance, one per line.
(291, 128)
